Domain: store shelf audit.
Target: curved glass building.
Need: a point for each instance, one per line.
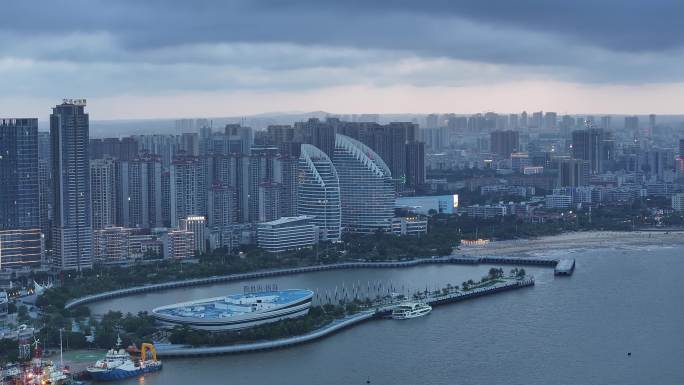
(365, 186)
(318, 192)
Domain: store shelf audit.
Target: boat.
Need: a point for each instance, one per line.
(408, 310)
(11, 371)
(237, 311)
(46, 373)
(119, 364)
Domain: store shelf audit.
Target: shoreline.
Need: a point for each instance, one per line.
(528, 247)
(575, 240)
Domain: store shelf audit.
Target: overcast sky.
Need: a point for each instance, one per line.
(169, 58)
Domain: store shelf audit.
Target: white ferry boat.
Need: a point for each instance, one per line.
(411, 310)
(237, 311)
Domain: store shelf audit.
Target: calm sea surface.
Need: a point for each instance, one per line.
(574, 330)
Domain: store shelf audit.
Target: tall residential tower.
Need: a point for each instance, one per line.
(72, 238)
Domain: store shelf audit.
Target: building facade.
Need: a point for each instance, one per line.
(318, 192)
(72, 228)
(20, 220)
(366, 187)
(103, 193)
(287, 233)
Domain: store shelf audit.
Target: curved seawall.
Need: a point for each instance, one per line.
(265, 345)
(186, 351)
(464, 260)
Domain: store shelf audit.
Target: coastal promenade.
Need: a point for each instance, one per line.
(380, 312)
(464, 260)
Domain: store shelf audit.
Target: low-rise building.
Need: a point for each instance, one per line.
(557, 201)
(180, 244)
(197, 225)
(110, 245)
(145, 245)
(485, 212)
(409, 226)
(21, 248)
(287, 233)
(533, 170)
(4, 302)
(442, 204)
(678, 202)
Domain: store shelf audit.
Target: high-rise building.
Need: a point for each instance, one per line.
(394, 143)
(537, 120)
(123, 193)
(550, 121)
(73, 232)
(503, 143)
(513, 122)
(366, 188)
(45, 199)
(239, 139)
(19, 191)
(145, 191)
(20, 224)
(415, 164)
(183, 189)
(317, 133)
(120, 149)
(432, 121)
(573, 173)
(223, 214)
(657, 161)
(265, 184)
(289, 186)
(632, 125)
(278, 134)
(45, 185)
(318, 194)
(189, 143)
(594, 145)
(102, 193)
(605, 122)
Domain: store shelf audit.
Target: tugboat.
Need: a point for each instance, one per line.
(119, 364)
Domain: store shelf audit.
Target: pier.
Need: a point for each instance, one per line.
(380, 312)
(452, 259)
(564, 267)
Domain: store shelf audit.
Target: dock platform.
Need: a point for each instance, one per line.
(564, 267)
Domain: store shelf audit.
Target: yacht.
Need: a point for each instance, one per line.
(411, 310)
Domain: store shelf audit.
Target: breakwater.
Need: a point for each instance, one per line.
(466, 260)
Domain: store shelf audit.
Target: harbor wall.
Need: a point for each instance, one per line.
(463, 260)
(335, 326)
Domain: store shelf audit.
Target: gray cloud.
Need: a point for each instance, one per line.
(155, 46)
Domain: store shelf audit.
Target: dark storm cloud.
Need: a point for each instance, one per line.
(625, 25)
(580, 40)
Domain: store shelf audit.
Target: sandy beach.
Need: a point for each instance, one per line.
(576, 240)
